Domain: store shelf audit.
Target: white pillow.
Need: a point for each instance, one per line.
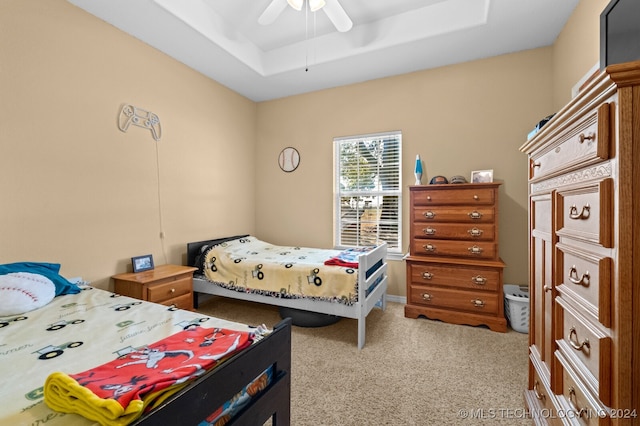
(22, 292)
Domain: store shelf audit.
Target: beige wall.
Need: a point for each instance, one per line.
(75, 189)
(459, 118)
(78, 191)
(577, 49)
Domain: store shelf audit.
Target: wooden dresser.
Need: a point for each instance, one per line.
(166, 284)
(584, 273)
(454, 272)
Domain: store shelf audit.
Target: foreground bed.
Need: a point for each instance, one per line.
(78, 332)
(369, 286)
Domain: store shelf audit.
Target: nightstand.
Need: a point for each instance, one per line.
(166, 284)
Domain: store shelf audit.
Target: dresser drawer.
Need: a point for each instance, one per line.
(587, 278)
(586, 141)
(588, 347)
(586, 213)
(452, 275)
(161, 292)
(181, 302)
(471, 196)
(464, 249)
(455, 231)
(466, 214)
(470, 301)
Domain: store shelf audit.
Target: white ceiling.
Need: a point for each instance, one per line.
(223, 40)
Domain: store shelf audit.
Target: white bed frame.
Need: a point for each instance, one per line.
(359, 310)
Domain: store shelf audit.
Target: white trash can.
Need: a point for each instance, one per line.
(516, 307)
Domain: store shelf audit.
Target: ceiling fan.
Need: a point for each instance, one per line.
(332, 8)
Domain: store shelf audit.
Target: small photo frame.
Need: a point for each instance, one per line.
(482, 176)
(142, 263)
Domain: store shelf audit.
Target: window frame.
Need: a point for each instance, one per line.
(339, 193)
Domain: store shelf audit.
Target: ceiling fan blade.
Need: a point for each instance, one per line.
(272, 12)
(337, 15)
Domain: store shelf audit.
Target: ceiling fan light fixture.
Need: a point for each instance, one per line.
(296, 4)
(316, 4)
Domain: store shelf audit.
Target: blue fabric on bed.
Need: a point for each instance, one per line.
(49, 270)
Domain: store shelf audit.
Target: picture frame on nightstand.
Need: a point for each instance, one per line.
(142, 263)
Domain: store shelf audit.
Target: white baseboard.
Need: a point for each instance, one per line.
(396, 299)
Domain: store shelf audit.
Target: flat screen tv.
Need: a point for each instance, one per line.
(620, 32)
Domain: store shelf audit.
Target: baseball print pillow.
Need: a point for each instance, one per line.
(22, 292)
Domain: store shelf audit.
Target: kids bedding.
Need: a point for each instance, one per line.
(247, 264)
(97, 357)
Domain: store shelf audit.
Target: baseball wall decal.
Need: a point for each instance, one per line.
(289, 159)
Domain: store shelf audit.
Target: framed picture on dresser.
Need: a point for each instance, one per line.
(482, 176)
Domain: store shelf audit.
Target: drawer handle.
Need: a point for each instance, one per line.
(479, 280)
(429, 231)
(573, 277)
(426, 297)
(478, 303)
(475, 197)
(429, 247)
(475, 215)
(575, 343)
(590, 137)
(475, 232)
(173, 290)
(537, 393)
(546, 288)
(535, 164)
(475, 250)
(427, 275)
(429, 214)
(573, 400)
(428, 197)
(584, 214)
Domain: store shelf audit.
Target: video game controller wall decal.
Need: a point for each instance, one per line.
(130, 114)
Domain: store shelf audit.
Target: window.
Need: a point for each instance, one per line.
(368, 190)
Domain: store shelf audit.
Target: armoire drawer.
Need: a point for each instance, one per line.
(587, 278)
(466, 214)
(579, 405)
(471, 196)
(586, 213)
(541, 401)
(455, 231)
(586, 141)
(463, 249)
(470, 301)
(454, 275)
(588, 347)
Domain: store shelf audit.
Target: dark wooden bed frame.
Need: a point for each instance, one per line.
(195, 402)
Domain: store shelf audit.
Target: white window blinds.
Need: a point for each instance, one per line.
(368, 190)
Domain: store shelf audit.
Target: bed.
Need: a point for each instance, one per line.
(61, 336)
(302, 276)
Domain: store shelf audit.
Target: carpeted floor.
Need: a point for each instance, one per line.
(410, 372)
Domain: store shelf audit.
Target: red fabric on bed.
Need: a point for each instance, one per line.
(348, 257)
(170, 361)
